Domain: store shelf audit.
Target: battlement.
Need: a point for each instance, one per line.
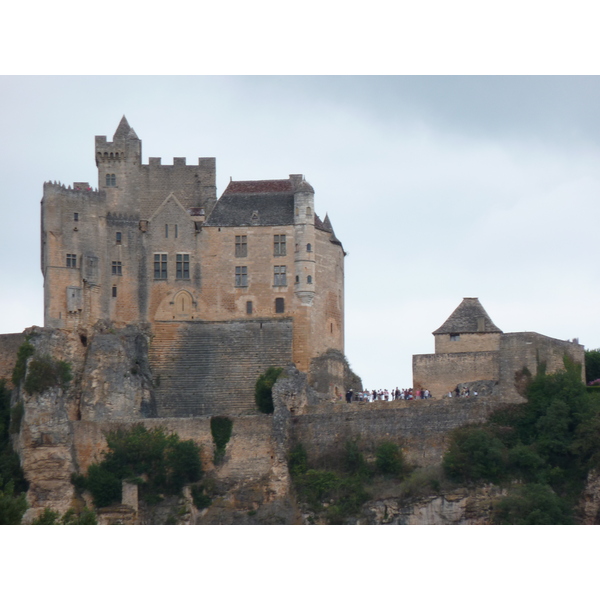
(78, 187)
(203, 162)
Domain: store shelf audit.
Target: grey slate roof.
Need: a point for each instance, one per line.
(240, 210)
(465, 319)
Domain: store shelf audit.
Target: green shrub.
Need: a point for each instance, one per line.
(16, 416)
(297, 460)
(532, 504)
(71, 517)
(220, 429)
(200, 498)
(12, 506)
(158, 462)
(389, 459)
(592, 364)
(44, 373)
(475, 455)
(422, 482)
(354, 460)
(25, 351)
(263, 391)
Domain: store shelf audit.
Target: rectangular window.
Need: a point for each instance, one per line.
(454, 337)
(176, 231)
(75, 216)
(166, 231)
(72, 261)
(183, 266)
(241, 246)
(118, 237)
(279, 245)
(249, 307)
(114, 291)
(279, 305)
(117, 268)
(241, 276)
(160, 266)
(279, 276)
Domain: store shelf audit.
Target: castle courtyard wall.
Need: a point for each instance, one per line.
(441, 373)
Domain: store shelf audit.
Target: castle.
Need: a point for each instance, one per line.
(471, 352)
(228, 287)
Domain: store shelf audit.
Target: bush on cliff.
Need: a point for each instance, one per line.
(12, 506)
(25, 351)
(51, 517)
(220, 429)
(45, 372)
(263, 391)
(549, 444)
(159, 462)
(592, 365)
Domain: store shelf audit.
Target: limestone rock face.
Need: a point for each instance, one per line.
(590, 503)
(110, 382)
(460, 507)
(116, 382)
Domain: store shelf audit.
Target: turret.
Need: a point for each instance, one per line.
(304, 225)
(117, 160)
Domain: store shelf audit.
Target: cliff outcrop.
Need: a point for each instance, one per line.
(64, 426)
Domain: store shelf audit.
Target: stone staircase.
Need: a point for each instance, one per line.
(202, 368)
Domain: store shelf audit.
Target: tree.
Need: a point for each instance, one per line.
(592, 365)
(12, 507)
(263, 391)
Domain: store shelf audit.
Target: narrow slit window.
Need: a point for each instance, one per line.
(114, 291)
(249, 307)
(119, 237)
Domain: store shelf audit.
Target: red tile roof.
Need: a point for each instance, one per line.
(258, 187)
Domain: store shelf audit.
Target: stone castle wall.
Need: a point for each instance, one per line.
(420, 428)
(202, 368)
(9, 346)
(440, 373)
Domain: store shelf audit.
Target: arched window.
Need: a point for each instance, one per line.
(308, 211)
(308, 248)
(309, 279)
(111, 180)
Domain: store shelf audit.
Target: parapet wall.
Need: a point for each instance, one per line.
(421, 428)
(440, 373)
(9, 346)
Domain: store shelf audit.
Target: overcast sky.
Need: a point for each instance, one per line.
(438, 187)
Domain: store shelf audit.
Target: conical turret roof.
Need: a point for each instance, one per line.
(124, 131)
(469, 317)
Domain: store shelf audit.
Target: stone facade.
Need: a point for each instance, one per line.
(153, 246)
(470, 349)
(9, 346)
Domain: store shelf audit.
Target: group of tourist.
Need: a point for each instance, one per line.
(387, 395)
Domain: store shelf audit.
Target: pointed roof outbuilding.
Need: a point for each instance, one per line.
(469, 317)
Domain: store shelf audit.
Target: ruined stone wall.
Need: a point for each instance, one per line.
(9, 346)
(441, 373)
(528, 349)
